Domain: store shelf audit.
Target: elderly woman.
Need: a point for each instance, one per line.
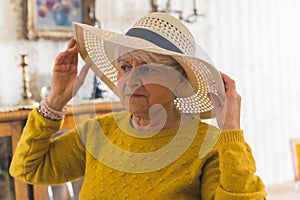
(158, 148)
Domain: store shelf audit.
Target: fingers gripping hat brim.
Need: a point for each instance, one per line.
(101, 49)
(80, 30)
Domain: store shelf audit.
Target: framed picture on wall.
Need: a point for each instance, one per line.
(53, 19)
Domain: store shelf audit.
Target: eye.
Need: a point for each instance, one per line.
(125, 68)
(146, 69)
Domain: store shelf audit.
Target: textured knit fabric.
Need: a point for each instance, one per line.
(223, 172)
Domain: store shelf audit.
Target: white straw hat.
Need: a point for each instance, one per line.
(157, 33)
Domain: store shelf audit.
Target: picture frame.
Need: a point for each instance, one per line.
(52, 19)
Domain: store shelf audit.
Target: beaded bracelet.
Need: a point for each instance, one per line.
(46, 111)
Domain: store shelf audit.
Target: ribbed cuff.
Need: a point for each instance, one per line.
(50, 124)
(231, 136)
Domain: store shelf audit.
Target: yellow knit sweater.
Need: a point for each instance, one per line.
(119, 162)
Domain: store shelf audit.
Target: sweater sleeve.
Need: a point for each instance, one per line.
(229, 172)
(39, 159)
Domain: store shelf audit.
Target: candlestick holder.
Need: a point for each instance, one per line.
(27, 95)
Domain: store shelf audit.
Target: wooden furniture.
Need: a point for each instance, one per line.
(11, 126)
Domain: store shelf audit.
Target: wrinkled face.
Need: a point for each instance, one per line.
(143, 83)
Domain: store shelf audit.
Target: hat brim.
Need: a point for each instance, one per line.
(104, 44)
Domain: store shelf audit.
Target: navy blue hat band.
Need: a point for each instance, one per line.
(153, 38)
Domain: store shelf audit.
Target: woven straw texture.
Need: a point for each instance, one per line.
(101, 48)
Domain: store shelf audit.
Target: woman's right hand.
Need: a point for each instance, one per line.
(65, 81)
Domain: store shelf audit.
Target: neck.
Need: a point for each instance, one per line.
(158, 118)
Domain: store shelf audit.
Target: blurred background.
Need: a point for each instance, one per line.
(255, 42)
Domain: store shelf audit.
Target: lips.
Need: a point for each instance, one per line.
(134, 95)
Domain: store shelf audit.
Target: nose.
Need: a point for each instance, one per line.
(133, 80)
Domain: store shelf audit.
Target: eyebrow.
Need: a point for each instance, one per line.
(127, 61)
(122, 59)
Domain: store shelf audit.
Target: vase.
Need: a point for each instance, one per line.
(60, 18)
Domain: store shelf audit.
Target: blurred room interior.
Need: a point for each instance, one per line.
(256, 42)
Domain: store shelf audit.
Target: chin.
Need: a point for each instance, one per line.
(137, 109)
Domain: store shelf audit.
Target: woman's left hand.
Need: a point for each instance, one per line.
(228, 115)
